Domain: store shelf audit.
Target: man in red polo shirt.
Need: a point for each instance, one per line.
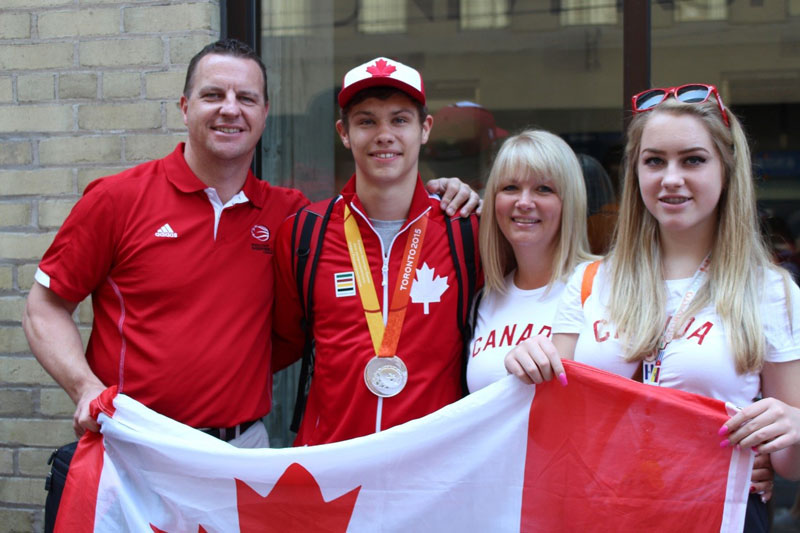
(177, 256)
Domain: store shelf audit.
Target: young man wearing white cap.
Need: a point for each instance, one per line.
(388, 289)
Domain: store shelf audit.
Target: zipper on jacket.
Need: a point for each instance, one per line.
(385, 283)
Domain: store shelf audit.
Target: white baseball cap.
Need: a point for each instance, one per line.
(382, 72)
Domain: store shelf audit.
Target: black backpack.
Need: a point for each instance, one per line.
(308, 231)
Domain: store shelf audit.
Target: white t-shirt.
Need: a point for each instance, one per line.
(699, 358)
(505, 320)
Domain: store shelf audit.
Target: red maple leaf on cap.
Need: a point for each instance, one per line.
(295, 504)
(381, 69)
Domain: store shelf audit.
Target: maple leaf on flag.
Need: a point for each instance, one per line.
(381, 69)
(294, 504)
(426, 289)
(200, 529)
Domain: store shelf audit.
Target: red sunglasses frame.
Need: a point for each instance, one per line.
(674, 92)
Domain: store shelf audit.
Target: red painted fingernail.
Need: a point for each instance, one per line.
(562, 378)
(752, 488)
(755, 449)
(725, 443)
(723, 430)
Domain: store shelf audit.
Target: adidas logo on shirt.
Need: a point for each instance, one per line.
(166, 231)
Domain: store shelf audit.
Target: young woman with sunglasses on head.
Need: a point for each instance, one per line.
(689, 273)
(532, 236)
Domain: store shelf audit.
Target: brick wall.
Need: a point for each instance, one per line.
(87, 88)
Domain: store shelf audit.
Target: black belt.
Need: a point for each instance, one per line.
(228, 434)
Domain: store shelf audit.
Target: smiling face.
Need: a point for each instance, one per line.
(385, 137)
(226, 111)
(528, 213)
(680, 175)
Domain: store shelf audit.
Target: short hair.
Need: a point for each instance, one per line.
(224, 47)
(535, 152)
(381, 92)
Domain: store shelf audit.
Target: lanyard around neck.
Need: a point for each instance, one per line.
(669, 331)
(384, 338)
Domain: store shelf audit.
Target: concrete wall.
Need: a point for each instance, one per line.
(87, 88)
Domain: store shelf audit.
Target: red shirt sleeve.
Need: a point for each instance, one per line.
(82, 253)
(288, 336)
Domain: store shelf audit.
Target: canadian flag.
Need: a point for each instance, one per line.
(601, 454)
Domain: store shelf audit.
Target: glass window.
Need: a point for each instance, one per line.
(491, 68)
(576, 12)
(751, 52)
(478, 14)
(286, 17)
(698, 10)
(382, 16)
(494, 67)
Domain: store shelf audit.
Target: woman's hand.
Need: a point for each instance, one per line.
(767, 426)
(536, 360)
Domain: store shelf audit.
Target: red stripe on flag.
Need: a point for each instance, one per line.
(612, 454)
(76, 510)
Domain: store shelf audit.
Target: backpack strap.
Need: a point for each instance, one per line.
(302, 247)
(470, 258)
(462, 251)
(588, 280)
(473, 319)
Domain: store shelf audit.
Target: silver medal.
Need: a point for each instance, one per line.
(386, 376)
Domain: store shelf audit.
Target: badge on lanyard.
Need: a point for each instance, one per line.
(647, 371)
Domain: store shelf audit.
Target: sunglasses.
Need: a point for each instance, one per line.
(693, 93)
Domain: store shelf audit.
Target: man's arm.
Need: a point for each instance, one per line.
(455, 195)
(56, 343)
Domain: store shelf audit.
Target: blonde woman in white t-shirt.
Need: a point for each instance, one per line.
(532, 236)
(688, 225)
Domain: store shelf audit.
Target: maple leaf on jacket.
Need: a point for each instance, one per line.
(380, 69)
(294, 504)
(426, 289)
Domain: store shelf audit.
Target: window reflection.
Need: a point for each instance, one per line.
(494, 67)
(382, 16)
(285, 17)
(751, 52)
(581, 12)
(696, 10)
(476, 14)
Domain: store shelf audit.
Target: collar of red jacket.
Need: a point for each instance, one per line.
(419, 203)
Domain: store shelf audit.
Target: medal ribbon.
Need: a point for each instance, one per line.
(384, 338)
(677, 318)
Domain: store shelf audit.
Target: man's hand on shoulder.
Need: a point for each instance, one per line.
(455, 195)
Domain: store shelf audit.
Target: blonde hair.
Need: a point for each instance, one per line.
(739, 257)
(542, 153)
